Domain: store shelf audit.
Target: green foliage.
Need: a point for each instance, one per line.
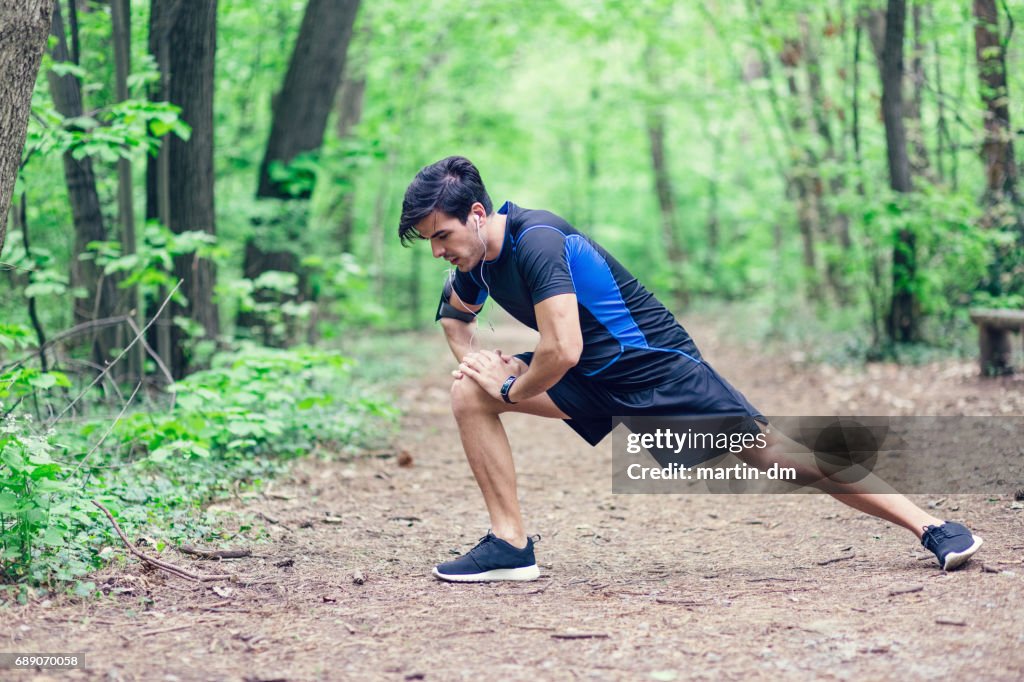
(235, 423)
(298, 176)
(32, 520)
(750, 151)
(117, 131)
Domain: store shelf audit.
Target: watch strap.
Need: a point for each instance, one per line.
(506, 387)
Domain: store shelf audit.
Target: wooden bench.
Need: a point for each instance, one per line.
(994, 328)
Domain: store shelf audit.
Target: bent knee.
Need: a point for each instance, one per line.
(468, 397)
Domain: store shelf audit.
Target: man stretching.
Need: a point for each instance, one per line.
(607, 348)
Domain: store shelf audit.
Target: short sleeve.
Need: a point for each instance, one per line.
(541, 257)
(468, 289)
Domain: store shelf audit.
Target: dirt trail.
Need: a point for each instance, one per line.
(632, 587)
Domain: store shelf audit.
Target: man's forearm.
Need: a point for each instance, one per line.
(547, 368)
(459, 335)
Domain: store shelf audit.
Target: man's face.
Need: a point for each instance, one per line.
(459, 244)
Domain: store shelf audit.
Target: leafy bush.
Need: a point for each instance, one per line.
(236, 423)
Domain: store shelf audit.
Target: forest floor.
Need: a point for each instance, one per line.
(632, 587)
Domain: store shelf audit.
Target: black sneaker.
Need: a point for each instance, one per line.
(491, 559)
(952, 544)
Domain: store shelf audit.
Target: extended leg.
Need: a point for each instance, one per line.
(869, 494)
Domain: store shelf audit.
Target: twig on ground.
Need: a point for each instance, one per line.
(170, 568)
(215, 553)
(905, 589)
(161, 630)
(682, 602)
(826, 562)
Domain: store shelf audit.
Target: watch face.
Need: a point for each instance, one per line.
(506, 387)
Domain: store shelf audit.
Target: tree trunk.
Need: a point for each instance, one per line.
(941, 125)
(903, 310)
(76, 49)
(101, 296)
(300, 116)
(161, 19)
(120, 14)
(305, 100)
(24, 26)
(805, 184)
(997, 150)
(350, 112)
(835, 225)
(191, 46)
(666, 196)
(915, 128)
(655, 121)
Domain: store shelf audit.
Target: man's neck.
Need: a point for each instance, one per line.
(495, 229)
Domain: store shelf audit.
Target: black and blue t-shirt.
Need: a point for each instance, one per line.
(630, 339)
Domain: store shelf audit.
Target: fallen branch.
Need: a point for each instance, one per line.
(215, 553)
(174, 628)
(156, 563)
(905, 589)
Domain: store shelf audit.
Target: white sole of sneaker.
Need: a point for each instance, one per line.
(957, 559)
(524, 573)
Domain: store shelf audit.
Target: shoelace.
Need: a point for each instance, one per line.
(491, 536)
(932, 534)
(483, 541)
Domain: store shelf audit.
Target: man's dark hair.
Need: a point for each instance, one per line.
(451, 186)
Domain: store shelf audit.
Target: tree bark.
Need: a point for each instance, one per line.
(191, 45)
(655, 122)
(666, 196)
(892, 97)
(161, 18)
(350, 112)
(836, 224)
(305, 100)
(903, 311)
(805, 183)
(101, 297)
(24, 26)
(997, 150)
(120, 14)
(915, 128)
(300, 112)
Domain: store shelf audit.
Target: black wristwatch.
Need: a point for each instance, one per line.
(505, 388)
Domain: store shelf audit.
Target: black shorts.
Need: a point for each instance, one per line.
(694, 389)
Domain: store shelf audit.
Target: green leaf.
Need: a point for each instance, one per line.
(37, 289)
(54, 536)
(50, 471)
(49, 485)
(9, 503)
(43, 381)
(160, 128)
(68, 68)
(84, 589)
(161, 454)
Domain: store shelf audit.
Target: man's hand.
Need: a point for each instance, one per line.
(490, 369)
